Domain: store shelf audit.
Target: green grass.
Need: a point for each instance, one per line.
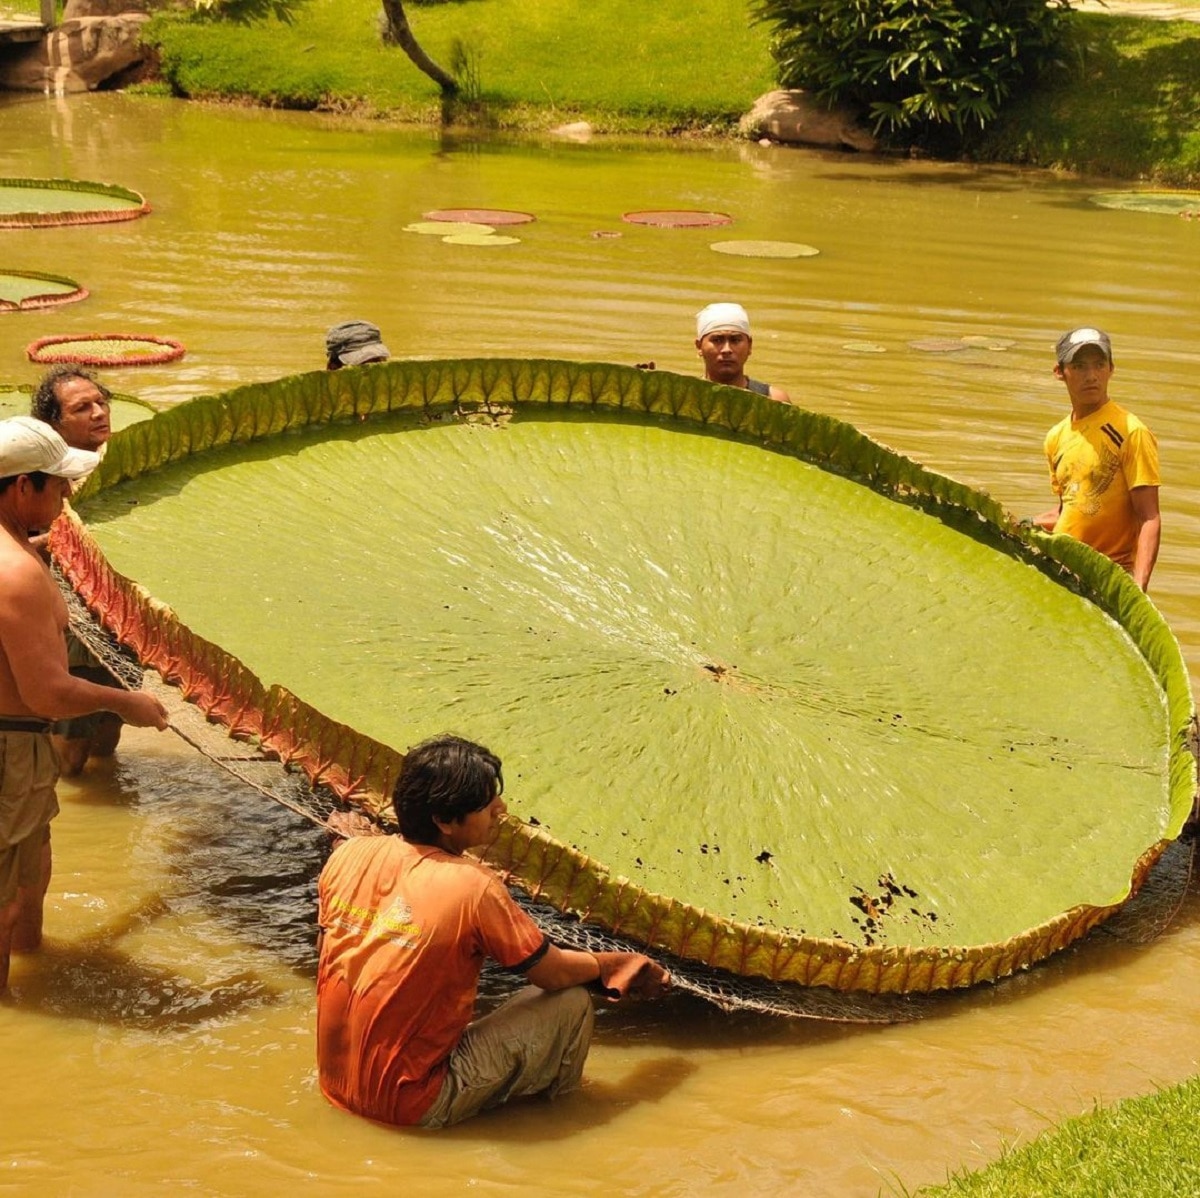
(1130, 107)
(626, 65)
(1140, 1148)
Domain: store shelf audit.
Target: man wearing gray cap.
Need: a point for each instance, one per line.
(724, 343)
(36, 470)
(354, 343)
(1103, 462)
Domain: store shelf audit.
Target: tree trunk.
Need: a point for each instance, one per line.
(399, 32)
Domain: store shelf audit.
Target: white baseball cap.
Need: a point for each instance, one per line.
(29, 446)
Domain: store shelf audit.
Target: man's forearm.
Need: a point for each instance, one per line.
(1146, 554)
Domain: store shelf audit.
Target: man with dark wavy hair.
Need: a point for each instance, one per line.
(406, 922)
(76, 404)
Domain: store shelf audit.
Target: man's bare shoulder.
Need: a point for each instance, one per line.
(21, 569)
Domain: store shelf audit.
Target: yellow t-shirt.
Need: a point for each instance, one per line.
(1095, 463)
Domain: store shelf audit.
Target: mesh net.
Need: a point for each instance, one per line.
(1141, 920)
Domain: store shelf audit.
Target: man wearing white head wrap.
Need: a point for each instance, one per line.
(723, 342)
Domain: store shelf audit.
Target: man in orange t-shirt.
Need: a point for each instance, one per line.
(406, 922)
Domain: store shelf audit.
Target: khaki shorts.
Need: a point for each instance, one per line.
(28, 772)
(536, 1043)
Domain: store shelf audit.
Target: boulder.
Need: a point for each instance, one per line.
(77, 56)
(796, 118)
(74, 9)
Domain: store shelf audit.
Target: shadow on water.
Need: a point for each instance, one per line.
(94, 980)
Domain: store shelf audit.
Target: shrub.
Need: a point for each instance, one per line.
(914, 65)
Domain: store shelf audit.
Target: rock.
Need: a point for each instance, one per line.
(77, 56)
(796, 118)
(74, 9)
(575, 131)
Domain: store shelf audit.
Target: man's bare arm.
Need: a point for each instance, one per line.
(1145, 510)
(36, 655)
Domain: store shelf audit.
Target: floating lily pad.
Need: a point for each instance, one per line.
(106, 349)
(678, 218)
(444, 228)
(841, 785)
(765, 249)
(994, 344)
(937, 345)
(601, 234)
(24, 289)
(27, 203)
(483, 216)
(864, 347)
(479, 239)
(1172, 203)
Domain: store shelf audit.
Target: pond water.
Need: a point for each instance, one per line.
(164, 1036)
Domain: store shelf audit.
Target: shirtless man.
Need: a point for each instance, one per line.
(724, 343)
(36, 469)
(77, 406)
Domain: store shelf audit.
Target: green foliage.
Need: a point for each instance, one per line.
(1133, 111)
(245, 11)
(914, 65)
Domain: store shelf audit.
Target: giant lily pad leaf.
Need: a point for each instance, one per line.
(447, 228)
(24, 289)
(769, 696)
(483, 216)
(27, 203)
(124, 411)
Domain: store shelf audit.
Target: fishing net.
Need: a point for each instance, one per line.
(40, 203)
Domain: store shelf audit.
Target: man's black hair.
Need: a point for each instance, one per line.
(39, 478)
(444, 778)
(45, 404)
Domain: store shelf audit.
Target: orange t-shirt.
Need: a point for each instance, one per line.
(406, 929)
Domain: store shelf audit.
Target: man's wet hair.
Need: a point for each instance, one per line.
(444, 778)
(45, 404)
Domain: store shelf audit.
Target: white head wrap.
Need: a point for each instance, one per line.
(729, 318)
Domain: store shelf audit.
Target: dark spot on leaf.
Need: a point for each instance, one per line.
(764, 856)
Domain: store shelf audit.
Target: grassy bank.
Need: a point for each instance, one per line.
(1129, 106)
(625, 65)
(1140, 1148)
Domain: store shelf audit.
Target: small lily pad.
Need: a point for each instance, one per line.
(995, 344)
(863, 347)
(678, 218)
(479, 239)
(23, 289)
(446, 228)
(489, 216)
(766, 249)
(937, 345)
(1173, 203)
(106, 349)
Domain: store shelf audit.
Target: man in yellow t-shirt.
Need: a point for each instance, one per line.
(1103, 462)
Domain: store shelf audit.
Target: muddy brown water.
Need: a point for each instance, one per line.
(163, 1038)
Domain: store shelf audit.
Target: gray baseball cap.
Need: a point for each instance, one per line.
(1069, 344)
(354, 342)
